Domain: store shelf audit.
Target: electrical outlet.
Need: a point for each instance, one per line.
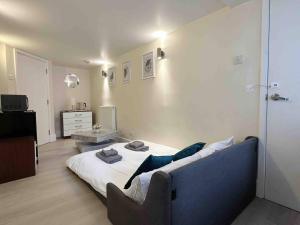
(275, 85)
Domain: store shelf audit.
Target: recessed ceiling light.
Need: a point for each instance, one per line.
(159, 34)
(96, 62)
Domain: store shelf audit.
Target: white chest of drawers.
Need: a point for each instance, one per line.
(72, 122)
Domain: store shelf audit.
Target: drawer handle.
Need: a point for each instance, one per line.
(77, 115)
(78, 120)
(78, 126)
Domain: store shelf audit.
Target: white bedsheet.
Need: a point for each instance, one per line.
(98, 173)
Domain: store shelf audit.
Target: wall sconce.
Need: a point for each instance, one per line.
(104, 74)
(160, 54)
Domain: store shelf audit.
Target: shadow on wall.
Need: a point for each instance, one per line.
(287, 198)
(198, 93)
(106, 92)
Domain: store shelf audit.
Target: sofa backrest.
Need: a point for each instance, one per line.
(214, 190)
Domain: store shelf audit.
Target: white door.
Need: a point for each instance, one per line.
(32, 81)
(283, 120)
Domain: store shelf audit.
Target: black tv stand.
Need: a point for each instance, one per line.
(19, 124)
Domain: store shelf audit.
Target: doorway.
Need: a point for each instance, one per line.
(282, 175)
(32, 80)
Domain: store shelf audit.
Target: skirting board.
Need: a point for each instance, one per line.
(233, 3)
(52, 137)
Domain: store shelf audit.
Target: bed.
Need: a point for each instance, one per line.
(98, 173)
(213, 190)
(210, 189)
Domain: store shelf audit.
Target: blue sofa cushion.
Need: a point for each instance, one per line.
(188, 151)
(155, 162)
(151, 163)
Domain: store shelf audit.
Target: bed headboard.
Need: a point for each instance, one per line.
(107, 117)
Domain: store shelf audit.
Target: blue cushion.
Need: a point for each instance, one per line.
(151, 163)
(155, 162)
(188, 151)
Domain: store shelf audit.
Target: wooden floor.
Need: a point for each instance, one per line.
(55, 196)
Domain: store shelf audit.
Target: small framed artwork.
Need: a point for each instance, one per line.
(111, 73)
(148, 65)
(126, 70)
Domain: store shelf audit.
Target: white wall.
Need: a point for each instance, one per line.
(62, 95)
(51, 101)
(198, 94)
(7, 70)
(11, 70)
(3, 81)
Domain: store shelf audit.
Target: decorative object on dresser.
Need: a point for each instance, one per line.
(75, 121)
(81, 106)
(18, 145)
(97, 128)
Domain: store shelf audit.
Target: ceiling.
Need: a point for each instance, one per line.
(70, 31)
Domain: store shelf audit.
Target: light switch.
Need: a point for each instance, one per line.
(250, 88)
(238, 60)
(11, 77)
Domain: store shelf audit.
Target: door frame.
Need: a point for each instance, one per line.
(18, 51)
(263, 103)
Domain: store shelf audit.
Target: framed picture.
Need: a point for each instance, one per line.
(126, 72)
(111, 73)
(148, 65)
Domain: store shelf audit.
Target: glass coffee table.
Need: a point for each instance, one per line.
(90, 140)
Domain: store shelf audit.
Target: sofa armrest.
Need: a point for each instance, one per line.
(157, 205)
(121, 210)
(156, 209)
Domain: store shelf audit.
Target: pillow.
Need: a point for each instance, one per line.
(151, 163)
(140, 184)
(220, 145)
(206, 152)
(188, 151)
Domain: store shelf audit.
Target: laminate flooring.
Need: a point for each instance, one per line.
(55, 196)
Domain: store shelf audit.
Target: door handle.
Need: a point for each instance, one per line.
(277, 97)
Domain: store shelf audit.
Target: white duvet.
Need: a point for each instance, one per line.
(98, 173)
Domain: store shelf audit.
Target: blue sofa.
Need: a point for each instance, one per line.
(210, 191)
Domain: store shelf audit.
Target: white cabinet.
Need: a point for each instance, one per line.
(72, 122)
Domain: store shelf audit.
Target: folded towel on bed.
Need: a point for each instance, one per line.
(140, 149)
(110, 152)
(109, 159)
(136, 144)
